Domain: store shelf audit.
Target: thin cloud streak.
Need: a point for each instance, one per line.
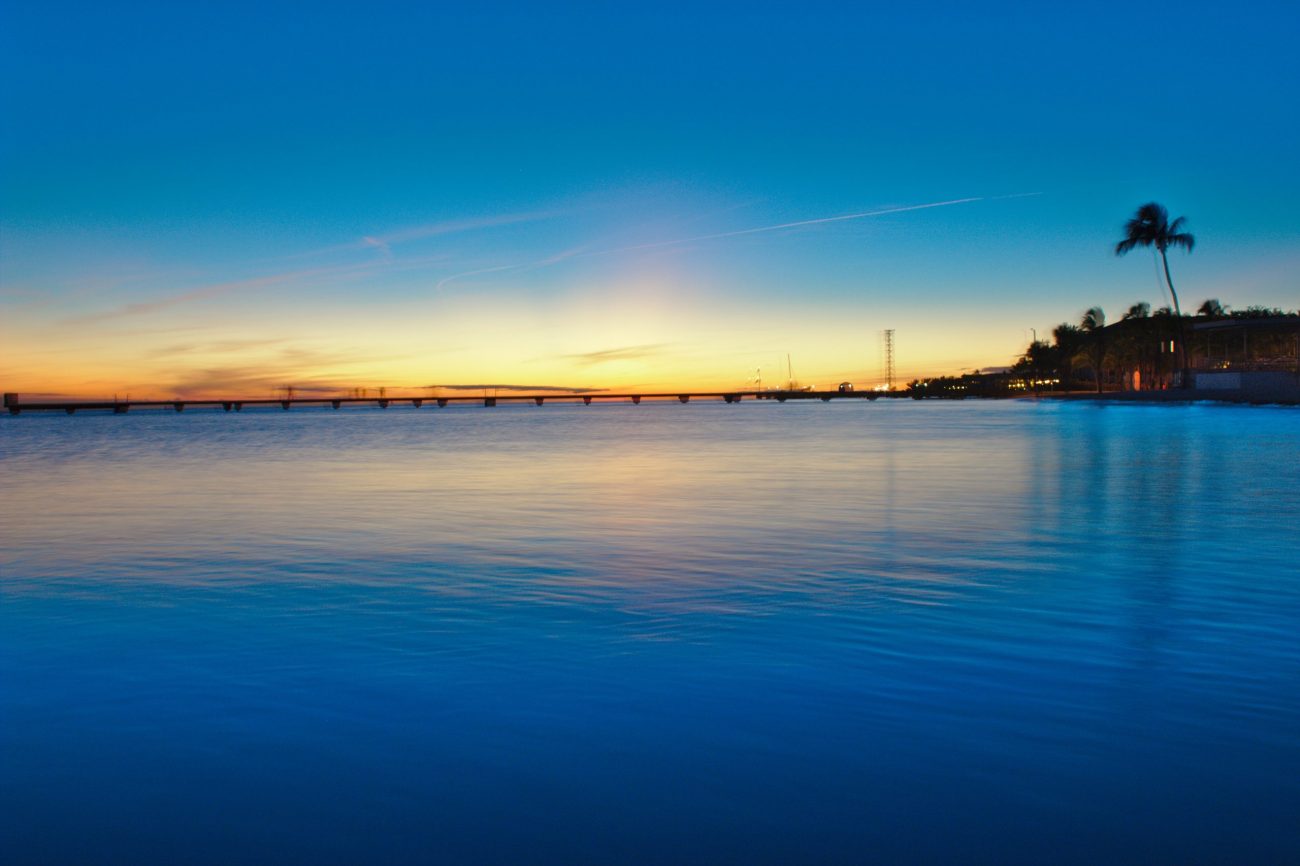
(383, 242)
(445, 280)
(555, 259)
(462, 225)
(306, 369)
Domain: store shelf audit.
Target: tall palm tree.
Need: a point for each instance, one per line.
(1150, 227)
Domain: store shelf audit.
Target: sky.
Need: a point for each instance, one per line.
(206, 199)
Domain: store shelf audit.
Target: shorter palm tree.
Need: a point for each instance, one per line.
(1093, 325)
(1140, 310)
(1040, 359)
(1211, 307)
(1068, 340)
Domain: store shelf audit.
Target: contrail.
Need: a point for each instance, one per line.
(445, 280)
(793, 225)
(732, 234)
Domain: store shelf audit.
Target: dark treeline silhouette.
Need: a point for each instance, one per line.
(1144, 350)
(1137, 353)
(1140, 352)
(977, 384)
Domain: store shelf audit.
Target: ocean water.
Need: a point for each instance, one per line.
(803, 633)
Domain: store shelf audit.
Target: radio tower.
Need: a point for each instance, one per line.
(888, 337)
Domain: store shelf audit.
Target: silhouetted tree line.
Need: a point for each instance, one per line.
(977, 384)
(1139, 352)
(1148, 350)
(1145, 349)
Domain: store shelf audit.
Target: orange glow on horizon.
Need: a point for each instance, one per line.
(644, 335)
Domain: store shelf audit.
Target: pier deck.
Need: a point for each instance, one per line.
(16, 405)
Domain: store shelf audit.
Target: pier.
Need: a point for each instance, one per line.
(16, 405)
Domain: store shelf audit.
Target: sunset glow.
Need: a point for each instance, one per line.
(402, 223)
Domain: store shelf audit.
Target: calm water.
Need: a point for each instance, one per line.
(799, 633)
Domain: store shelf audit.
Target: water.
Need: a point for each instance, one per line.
(846, 632)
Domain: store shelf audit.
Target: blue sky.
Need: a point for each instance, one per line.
(193, 176)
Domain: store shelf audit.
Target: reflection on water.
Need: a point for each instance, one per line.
(758, 633)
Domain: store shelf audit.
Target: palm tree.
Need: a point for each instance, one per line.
(1133, 348)
(1211, 307)
(1040, 359)
(1094, 325)
(1150, 227)
(1069, 341)
(1140, 310)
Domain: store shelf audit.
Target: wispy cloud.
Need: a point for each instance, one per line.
(580, 253)
(625, 353)
(307, 370)
(248, 380)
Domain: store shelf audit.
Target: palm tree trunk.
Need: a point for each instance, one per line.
(1182, 331)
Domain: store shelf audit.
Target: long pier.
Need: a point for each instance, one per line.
(16, 405)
